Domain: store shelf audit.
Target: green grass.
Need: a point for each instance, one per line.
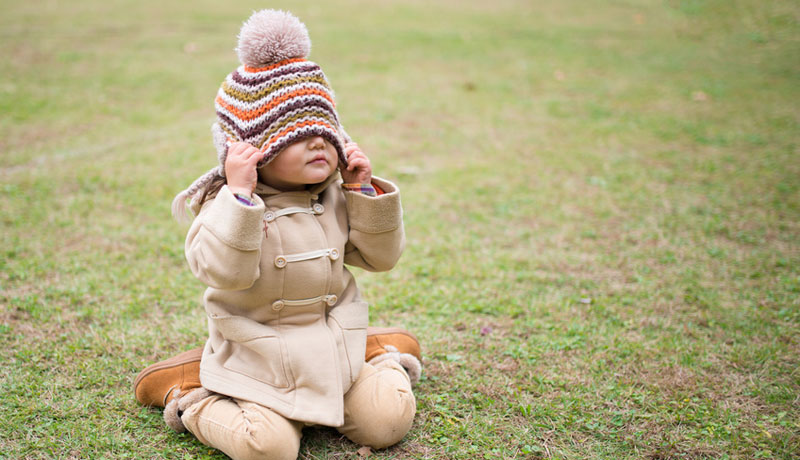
(602, 205)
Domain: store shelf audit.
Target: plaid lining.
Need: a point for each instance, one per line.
(366, 189)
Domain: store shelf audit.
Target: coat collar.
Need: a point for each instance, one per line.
(313, 189)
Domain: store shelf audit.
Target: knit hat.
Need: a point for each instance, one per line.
(275, 98)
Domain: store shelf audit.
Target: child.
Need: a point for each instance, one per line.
(274, 226)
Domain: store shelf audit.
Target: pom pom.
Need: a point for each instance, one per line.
(270, 36)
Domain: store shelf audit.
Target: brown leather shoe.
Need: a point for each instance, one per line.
(397, 344)
(155, 385)
(379, 337)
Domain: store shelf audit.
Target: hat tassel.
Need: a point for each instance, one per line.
(179, 210)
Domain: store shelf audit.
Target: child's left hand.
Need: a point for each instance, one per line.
(358, 170)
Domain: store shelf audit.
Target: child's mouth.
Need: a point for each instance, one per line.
(318, 160)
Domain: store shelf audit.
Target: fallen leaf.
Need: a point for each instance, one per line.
(365, 451)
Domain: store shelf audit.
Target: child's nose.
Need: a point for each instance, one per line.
(316, 142)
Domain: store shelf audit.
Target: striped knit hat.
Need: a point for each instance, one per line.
(275, 98)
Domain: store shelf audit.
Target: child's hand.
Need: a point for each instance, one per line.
(358, 169)
(240, 168)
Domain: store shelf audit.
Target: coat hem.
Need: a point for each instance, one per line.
(222, 385)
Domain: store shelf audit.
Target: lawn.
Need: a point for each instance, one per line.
(602, 208)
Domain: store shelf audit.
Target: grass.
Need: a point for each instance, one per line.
(602, 205)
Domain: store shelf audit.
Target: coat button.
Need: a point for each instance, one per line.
(280, 261)
(334, 254)
(331, 300)
(269, 216)
(277, 305)
(318, 208)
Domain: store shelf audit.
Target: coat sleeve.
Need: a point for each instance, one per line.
(376, 237)
(223, 246)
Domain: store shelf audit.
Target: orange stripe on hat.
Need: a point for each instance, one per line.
(249, 69)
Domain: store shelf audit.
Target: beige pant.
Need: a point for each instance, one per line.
(378, 411)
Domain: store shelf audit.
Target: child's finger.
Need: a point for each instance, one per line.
(241, 149)
(236, 148)
(249, 151)
(357, 163)
(255, 157)
(254, 153)
(351, 152)
(355, 156)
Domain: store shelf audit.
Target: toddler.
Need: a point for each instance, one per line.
(275, 225)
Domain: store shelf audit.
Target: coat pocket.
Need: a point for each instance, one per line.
(261, 359)
(256, 350)
(349, 325)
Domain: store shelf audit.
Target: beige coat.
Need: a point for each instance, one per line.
(286, 323)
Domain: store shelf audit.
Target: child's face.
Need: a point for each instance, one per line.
(308, 161)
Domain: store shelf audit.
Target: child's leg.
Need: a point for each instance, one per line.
(379, 408)
(243, 430)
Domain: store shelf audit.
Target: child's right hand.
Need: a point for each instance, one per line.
(240, 168)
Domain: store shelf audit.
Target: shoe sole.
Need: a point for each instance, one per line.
(179, 360)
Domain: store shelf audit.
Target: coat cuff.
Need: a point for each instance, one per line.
(233, 222)
(377, 214)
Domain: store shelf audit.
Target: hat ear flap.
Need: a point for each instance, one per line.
(345, 137)
(342, 138)
(221, 145)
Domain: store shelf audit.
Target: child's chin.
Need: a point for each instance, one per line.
(317, 178)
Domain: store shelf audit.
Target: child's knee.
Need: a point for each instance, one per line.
(270, 436)
(266, 444)
(381, 409)
(390, 423)
(244, 430)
